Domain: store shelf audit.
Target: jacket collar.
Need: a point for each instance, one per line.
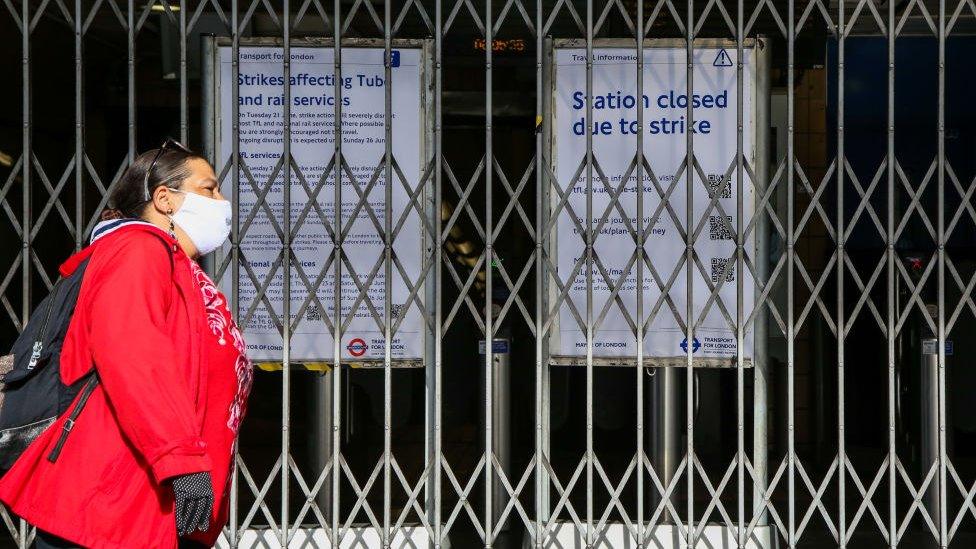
(99, 235)
(105, 228)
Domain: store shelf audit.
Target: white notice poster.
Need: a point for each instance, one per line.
(312, 98)
(614, 128)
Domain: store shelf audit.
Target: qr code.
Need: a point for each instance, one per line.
(313, 313)
(719, 185)
(717, 230)
(396, 309)
(718, 266)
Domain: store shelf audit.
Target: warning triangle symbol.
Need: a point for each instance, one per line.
(722, 59)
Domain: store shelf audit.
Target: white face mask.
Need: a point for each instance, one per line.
(205, 220)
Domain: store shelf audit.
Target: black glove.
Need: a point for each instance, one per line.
(194, 502)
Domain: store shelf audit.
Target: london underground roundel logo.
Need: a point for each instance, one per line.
(357, 347)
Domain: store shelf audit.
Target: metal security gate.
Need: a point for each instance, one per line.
(844, 201)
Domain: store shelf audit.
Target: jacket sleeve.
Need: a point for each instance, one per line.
(136, 358)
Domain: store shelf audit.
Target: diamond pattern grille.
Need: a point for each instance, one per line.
(49, 191)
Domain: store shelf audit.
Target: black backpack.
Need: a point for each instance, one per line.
(32, 395)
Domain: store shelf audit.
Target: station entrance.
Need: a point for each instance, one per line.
(548, 274)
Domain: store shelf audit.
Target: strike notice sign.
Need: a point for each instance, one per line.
(614, 128)
(312, 98)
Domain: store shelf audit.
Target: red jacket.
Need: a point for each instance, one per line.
(140, 321)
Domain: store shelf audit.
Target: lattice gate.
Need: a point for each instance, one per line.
(830, 421)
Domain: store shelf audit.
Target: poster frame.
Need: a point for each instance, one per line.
(758, 48)
(211, 125)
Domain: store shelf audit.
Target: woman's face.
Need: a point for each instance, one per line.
(202, 181)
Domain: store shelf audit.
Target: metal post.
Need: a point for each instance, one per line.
(131, 77)
(489, 260)
(941, 321)
(941, 480)
(501, 444)
(931, 436)
(434, 296)
(790, 266)
(892, 534)
(79, 128)
(26, 160)
(337, 255)
(542, 143)
(387, 273)
(321, 410)
(760, 409)
(438, 280)
(740, 328)
(235, 229)
(639, 245)
(209, 138)
(209, 65)
(334, 510)
(285, 532)
(540, 282)
(841, 257)
(589, 273)
(760, 355)
(689, 169)
(184, 93)
(665, 407)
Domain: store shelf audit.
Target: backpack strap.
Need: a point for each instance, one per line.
(90, 384)
(86, 392)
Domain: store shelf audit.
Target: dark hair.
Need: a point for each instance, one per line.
(128, 198)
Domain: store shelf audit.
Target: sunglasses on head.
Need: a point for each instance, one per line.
(169, 144)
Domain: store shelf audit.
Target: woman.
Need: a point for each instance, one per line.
(148, 461)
